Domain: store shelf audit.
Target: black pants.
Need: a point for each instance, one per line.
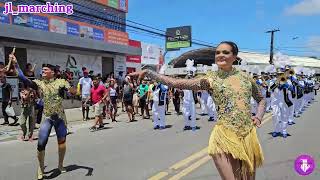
(39, 113)
(5, 115)
(176, 103)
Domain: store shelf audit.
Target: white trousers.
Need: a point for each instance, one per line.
(212, 111)
(204, 106)
(189, 114)
(280, 118)
(158, 114)
(268, 104)
(291, 113)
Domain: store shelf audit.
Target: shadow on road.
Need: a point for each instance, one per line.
(55, 172)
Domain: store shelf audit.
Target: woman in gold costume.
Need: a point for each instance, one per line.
(234, 144)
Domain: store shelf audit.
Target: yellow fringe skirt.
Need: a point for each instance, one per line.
(246, 149)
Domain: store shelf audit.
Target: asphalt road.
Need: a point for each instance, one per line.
(134, 151)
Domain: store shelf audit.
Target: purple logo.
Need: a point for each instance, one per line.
(304, 165)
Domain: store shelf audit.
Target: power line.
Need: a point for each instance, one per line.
(165, 31)
(200, 42)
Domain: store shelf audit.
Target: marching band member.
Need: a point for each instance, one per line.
(158, 106)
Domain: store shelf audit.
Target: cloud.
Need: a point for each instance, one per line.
(304, 8)
(314, 43)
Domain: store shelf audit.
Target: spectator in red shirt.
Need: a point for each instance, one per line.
(98, 96)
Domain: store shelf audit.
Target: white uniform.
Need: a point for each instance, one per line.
(303, 99)
(212, 111)
(204, 102)
(158, 111)
(280, 111)
(189, 109)
(268, 99)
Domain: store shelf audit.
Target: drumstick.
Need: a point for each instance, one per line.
(9, 64)
(13, 50)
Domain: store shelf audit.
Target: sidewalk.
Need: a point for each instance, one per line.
(74, 116)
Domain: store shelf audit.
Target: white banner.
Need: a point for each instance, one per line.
(120, 65)
(65, 60)
(150, 54)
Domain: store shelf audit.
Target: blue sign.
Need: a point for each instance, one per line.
(98, 34)
(4, 18)
(40, 22)
(23, 20)
(34, 21)
(73, 29)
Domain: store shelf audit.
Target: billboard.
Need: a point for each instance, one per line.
(150, 54)
(58, 26)
(116, 37)
(33, 21)
(134, 59)
(86, 32)
(178, 37)
(98, 34)
(67, 26)
(73, 29)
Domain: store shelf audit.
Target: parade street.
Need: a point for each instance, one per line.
(134, 151)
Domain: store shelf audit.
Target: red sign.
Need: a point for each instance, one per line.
(134, 59)
(104, 2)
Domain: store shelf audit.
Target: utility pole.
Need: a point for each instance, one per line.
(271, 44)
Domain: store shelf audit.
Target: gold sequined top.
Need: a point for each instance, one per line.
(231, 92)
(49, 90)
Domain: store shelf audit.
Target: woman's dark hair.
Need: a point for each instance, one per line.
(235, 49)
(95, 77)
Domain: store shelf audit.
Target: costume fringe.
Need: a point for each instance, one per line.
(246, 149)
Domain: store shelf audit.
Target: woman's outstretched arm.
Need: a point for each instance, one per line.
(191, 84)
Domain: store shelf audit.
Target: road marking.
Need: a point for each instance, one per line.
(181, 164)
(159, 176)
(189, 159)
(266, 120)
(191, 168)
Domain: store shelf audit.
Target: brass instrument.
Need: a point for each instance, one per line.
(282, 79)
(291, 72)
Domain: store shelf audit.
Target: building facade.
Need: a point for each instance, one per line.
(93, 36)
